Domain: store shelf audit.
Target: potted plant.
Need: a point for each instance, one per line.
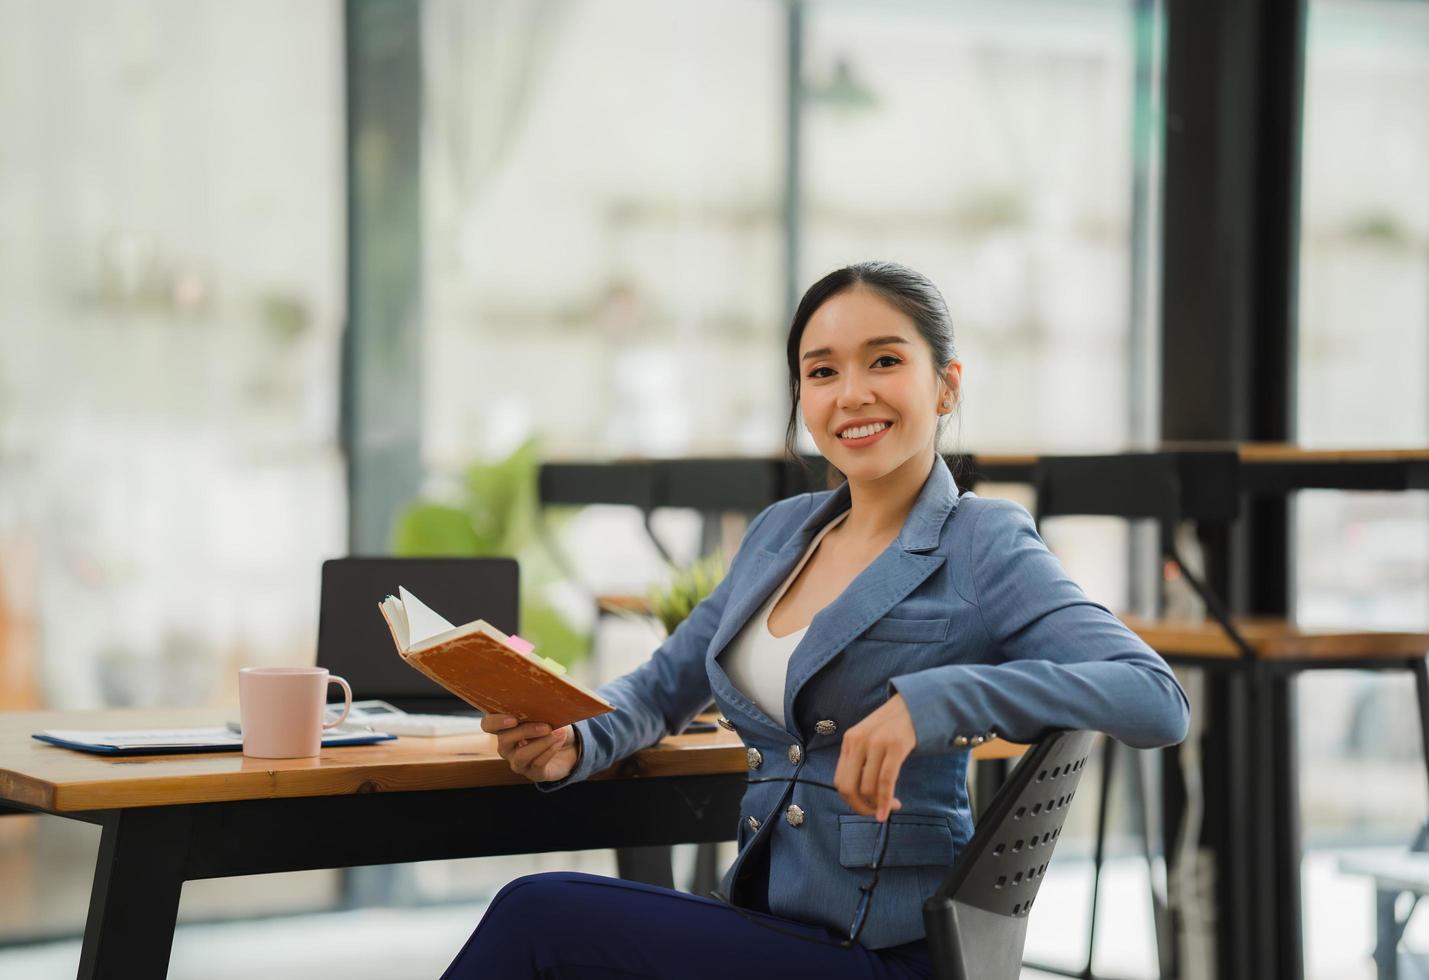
(494, 512)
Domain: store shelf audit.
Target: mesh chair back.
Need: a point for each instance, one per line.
(977, 919)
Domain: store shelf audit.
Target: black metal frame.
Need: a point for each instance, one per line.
(1230, 237)
(1253, 747)
(381, 421)
(1165, 487)
(147, 853)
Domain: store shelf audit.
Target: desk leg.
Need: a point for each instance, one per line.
(1227, 780)
(1387, 931)
(988, 777)
(1285, 830)
(134, 903)
(1419, 666)
(650, 865)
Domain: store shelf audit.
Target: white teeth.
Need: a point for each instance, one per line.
(863, 430)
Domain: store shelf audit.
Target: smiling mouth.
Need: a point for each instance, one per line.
(859, 433)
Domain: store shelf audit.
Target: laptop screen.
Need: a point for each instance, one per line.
(353, 639)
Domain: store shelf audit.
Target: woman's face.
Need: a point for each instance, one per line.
(865, 368)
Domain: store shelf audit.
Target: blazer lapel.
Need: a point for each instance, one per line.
(768, 570)
(773, 567)
(878, 588)
(889, 578)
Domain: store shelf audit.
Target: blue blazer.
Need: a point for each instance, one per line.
(968, 616)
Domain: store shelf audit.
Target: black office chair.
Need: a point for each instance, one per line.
(977, 920)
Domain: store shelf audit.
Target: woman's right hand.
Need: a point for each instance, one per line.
(531, 749)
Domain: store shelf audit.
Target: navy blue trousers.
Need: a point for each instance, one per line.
(565, 925)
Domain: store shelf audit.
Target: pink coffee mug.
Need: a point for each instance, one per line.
(281, 710)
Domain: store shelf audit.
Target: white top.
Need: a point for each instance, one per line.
(756, 660)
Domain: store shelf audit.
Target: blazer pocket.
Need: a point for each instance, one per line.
(913, 839)
(907, 630)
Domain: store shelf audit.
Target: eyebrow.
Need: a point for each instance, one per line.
(875, 342)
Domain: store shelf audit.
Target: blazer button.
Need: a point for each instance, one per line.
(977, 740)
(795, 754)
(794, 815)
(961, 741)
(754, 759)
(754, 824)
(725, 723)
(825, 727)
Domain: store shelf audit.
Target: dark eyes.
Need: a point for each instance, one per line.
(886, 357)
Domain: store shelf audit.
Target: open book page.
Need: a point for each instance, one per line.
(422, 622)
(396, 621)
(415, 625)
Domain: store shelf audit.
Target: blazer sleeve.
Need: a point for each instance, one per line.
(663, 694)
(1067, 662)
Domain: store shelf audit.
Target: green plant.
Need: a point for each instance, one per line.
(687, 587)
(496, 513)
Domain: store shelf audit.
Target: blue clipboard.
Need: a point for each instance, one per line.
(230, 744)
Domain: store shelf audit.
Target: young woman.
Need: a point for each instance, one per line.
(863, 640)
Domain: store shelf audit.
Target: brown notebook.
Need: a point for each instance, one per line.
(485, 667)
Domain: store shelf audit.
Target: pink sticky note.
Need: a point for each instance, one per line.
(519, 645)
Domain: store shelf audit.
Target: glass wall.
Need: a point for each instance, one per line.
(989, 146)
(171, 293)
(1362, 559)
(603, 222)
(603, 228)
(995, 148)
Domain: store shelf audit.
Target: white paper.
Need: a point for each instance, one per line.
(422, 622)
(397, 619)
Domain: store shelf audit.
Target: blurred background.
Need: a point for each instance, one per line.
(274, 276)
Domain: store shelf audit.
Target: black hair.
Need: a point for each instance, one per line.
(911, 292)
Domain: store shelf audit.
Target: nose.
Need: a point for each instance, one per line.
(854, 391)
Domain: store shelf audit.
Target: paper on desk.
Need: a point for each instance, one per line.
(148, 736)
(210, 738)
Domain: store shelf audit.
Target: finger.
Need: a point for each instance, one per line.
(849, 764)
(868, 779)
(496, 723)
(538, 764)
(854, 795)
(521, 758)
(887, 779)
(511, 738)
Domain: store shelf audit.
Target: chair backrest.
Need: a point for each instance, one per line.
(977, 920)
(1165, 486)
(631, 483)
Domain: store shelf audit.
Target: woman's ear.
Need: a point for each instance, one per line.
(952, 379)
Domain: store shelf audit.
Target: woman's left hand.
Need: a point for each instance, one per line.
(871, 756)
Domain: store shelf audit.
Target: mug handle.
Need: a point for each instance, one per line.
(346, 701)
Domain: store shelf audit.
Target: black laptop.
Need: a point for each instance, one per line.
(353, 639)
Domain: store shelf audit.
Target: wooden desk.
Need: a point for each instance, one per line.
(1279, 641)
(170, 819)
(46, 777)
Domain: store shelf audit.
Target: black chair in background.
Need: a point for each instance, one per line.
(977, 919)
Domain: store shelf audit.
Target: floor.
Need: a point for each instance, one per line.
(387, 943)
